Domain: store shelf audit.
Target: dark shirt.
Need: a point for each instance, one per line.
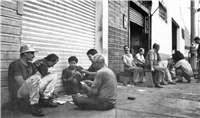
(43, 67)
(198, 51)
(69, 86)
(17, 68)
(88, 76)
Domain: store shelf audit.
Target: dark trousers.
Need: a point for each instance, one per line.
(87, 103)
(181, 73)
(199, 70)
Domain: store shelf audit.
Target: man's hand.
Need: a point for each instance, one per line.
(38, 63)
(84, 85)
(152, 69)
(88, 82)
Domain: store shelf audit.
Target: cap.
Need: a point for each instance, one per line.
(27, 48)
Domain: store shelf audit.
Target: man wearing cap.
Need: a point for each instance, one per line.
(24, 80)
(197, 41)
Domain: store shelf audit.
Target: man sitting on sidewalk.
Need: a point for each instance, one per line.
(102, 94)
(24, 81)
(90, 72)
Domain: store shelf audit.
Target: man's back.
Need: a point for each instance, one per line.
(108, 88)
(42, 67)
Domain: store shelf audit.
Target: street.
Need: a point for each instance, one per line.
(173, 101)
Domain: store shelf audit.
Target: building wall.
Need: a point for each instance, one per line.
(117, 34)
(162, 31)
(10, 41)
(47, 26)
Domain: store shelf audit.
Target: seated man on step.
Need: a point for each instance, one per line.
(130, 66)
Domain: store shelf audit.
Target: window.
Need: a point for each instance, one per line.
(162, 12)
(183, 33)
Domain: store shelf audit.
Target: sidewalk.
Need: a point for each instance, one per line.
(172, 101)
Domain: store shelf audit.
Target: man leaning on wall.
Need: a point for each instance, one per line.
(24, 82)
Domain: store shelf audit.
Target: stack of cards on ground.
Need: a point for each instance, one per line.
(63, 99)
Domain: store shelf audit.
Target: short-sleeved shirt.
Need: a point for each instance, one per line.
(108, 89)
(151, 56)
(198, 51)
(90, 77)
(129, 60)
(43, 67)
(139, 57)
(185, 66)
(17, 68)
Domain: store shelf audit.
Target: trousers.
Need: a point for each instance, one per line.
(34, 85)
(89, 103)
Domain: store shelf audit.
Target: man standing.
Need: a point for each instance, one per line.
(102, 94)
(197, 41)
(24, 80)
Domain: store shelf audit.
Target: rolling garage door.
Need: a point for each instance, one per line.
(136, 17)
(63, 27)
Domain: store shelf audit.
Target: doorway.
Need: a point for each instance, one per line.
(138, 39)
(174, 35)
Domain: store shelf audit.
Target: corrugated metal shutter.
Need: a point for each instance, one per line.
(66, 28)
(136, 17)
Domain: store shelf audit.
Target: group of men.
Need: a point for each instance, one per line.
(166, 71)
(32, 82)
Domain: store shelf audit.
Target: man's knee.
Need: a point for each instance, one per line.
(34, 79)
(55, 76)
(179, 72)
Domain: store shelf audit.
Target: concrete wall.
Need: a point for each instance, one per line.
(162, 31)
(117, 34)
(10, 41)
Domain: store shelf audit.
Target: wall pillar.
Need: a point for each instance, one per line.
(101, 29)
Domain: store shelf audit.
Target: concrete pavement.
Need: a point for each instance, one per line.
(173, 101)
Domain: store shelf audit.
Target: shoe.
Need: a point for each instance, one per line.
(36, 111)
(179, 81)
(171, 82)
(158, 86)
(189, 80)
(198, 81)
(53, 96)
(140, 82)
(162, 83)
(47, 103)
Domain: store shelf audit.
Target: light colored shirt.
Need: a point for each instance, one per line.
(185, 66)
(128, 60)
(108, 90)
(151, 56)
(139, 59)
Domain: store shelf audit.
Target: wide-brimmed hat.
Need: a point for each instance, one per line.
(27, 48)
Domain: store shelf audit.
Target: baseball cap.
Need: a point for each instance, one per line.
(27, 48)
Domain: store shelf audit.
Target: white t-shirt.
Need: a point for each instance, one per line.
(185, 66)
(139, 57)
(128, 59)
